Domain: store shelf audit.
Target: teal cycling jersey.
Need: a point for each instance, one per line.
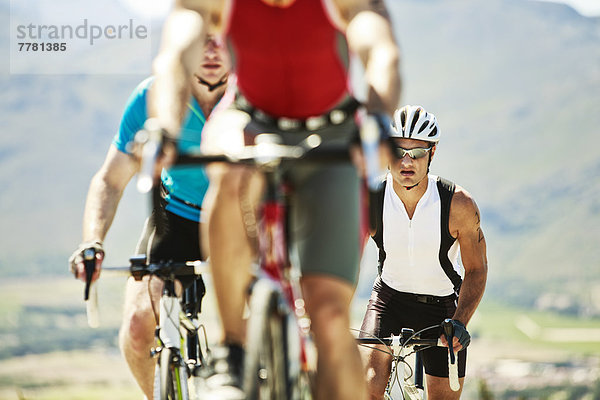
(185, 186)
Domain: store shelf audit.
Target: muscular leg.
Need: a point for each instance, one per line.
(136, 336)
(378, 368)
(339, 368)
(439, 388)
(231, 253)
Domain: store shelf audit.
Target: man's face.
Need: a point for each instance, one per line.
(215, 61)
(408, 171)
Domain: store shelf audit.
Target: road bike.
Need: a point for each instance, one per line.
(181, 342)
(406, 382)
(280, 357)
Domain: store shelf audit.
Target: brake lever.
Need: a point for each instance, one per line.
(449, 334)
(89, 262)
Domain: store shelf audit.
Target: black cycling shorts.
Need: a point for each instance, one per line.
(169, 237)
(389, 311)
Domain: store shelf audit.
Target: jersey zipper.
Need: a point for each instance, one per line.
(411, 244)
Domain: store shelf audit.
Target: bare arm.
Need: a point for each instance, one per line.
(465, 226)
(179, 56)
(104, 194)
(106, 189)
(370, 36)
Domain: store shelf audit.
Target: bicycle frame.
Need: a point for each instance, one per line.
(176, 314)
(168, 339)
(398, 348)
(274, 260)
(289, 322)
(177, 324)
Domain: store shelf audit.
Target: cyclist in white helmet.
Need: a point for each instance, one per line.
(424, 225)
(413, 122)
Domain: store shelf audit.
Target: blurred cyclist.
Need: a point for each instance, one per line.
(172, 230)
(291, 62)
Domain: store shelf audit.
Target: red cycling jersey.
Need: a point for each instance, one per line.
(290, 62)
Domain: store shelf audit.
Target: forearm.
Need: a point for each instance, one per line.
(471, 293)
(384, 83)
(180, 55)
(370, 36)
(100, 209)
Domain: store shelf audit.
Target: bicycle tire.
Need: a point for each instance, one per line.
(171, 377)
(265, 371)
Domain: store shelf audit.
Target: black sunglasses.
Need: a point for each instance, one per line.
(419, 152)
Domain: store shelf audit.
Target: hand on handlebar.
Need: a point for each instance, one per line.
(460, 336)
(77, 260)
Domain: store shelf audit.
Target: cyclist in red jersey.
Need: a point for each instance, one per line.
(291, 62)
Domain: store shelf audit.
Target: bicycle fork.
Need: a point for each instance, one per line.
(169, 339)
(410, 390)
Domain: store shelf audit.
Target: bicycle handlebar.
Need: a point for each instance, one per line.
(137, 268)
(90, 294)
(389, 341)
(448, 329)
(267, 151)
(408, 338)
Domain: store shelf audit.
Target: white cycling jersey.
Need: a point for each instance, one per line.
(413, 246)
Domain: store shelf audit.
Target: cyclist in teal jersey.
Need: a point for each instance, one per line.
(172, 230)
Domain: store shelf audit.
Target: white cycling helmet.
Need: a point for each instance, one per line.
(413, 122)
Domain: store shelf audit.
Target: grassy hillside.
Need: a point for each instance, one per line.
(49, 353)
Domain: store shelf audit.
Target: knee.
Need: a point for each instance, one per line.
(137, 330)
(225, 181)
(229, 183)
(330, 324)
(328, 303)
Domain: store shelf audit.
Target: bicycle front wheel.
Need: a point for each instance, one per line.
(265, 371)
(170, 380)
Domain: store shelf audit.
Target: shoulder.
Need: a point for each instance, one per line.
(140, 92)
(464, 212)
(145, 84)
(134, 114)
(462, 201)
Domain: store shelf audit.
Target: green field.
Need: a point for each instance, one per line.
(48, 352)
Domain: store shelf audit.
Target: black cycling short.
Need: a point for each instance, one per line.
(169, 237)
(389, 311)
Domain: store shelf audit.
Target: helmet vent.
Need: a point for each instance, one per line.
(415, 119)
(423, 126)
(403, 119)
(433, 132)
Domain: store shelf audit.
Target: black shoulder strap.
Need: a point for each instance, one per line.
(446, 190)
(376, 221)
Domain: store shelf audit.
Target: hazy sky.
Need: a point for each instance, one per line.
(584, 7)
(159, 8)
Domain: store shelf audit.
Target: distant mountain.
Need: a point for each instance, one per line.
(515, 85)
